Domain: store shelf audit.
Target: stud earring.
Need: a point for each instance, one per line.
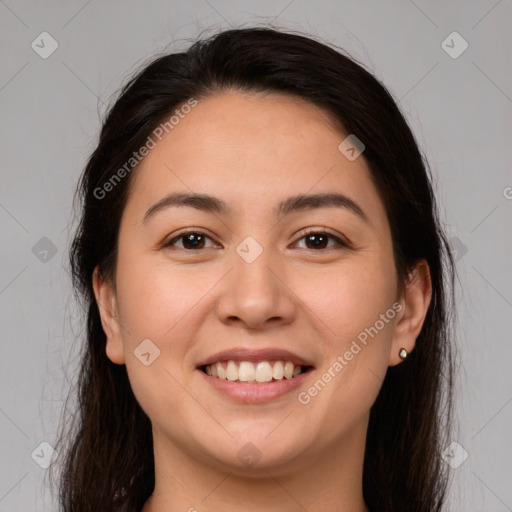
(402, 353)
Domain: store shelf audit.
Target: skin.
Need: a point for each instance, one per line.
(253, 151)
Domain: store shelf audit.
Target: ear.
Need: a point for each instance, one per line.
(415, 302)
(107, 305)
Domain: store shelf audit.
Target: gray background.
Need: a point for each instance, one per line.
(459, 108)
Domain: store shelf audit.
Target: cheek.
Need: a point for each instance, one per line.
(355, 308)
(356, 304)
(156, 300)
(161, 303)
(352, 297)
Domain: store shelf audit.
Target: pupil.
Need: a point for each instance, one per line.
(196, 240)
(322, 242)
(191, 239)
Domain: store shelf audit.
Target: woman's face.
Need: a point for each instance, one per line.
(250, 281)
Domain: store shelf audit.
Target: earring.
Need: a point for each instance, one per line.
(402, 353)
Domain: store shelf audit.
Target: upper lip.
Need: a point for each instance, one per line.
(263, 354)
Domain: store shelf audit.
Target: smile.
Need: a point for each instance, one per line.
(250, 372)
(265, 380)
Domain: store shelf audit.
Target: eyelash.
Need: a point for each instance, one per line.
(340, 243)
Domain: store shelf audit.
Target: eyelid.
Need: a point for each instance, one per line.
(169, 241)
(339, 240)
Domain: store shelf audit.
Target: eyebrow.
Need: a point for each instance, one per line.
(211, 204)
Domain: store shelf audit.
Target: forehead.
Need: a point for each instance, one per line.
(252, 149)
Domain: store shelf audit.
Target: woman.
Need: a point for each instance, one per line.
(267, 288)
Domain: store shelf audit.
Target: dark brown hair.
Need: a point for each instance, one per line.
(108, 459)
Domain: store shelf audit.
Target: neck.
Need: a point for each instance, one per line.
(327, 481)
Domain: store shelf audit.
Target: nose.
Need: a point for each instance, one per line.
(256, 295)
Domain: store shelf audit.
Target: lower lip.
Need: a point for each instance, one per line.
(255, 393)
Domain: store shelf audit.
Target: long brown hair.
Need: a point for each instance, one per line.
(107, 445)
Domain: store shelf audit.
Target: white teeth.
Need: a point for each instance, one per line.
(288, 370)
(246, 371)
(232, 371)
(221, 373)
(263, 372)
(278, 371)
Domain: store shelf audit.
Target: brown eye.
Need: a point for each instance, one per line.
(320, 240)
(191, 240)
